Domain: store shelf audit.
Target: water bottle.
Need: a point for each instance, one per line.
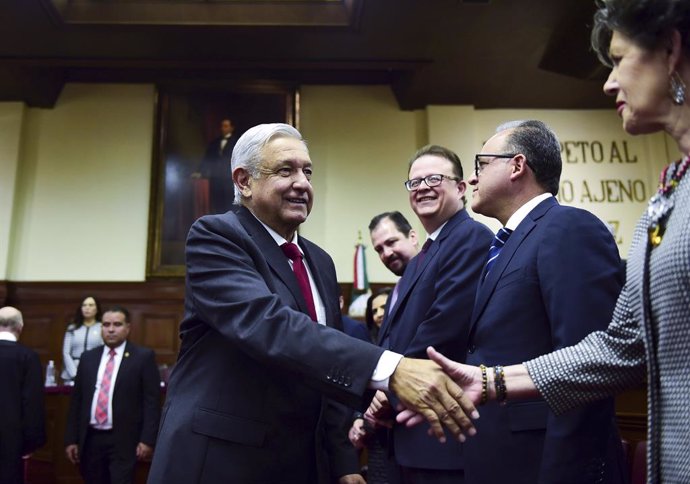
(50, 374)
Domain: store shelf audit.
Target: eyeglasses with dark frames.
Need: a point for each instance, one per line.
(480, 165)
(430, 180)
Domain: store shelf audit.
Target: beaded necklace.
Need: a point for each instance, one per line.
(661, 204)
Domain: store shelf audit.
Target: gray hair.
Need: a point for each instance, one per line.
(247, 151)
(11, 319)
(541, 148)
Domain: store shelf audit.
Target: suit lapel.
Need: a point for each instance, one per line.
(487, 287)
(91, 369)
(274, 255)
(125, 365)
(413, 273)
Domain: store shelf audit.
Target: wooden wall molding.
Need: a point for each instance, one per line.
(3, 293)
(156, 309)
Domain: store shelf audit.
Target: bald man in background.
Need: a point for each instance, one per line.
(22, 422)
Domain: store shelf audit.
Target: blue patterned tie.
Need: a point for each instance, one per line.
(500, 240)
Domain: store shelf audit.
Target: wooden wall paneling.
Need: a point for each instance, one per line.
(156, 309)
(3, 293)
(159, 332)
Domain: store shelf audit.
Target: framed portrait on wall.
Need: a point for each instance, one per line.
(197, 127)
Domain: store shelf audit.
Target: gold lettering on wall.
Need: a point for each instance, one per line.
(596, 152)
(603, 191)
(605, 177)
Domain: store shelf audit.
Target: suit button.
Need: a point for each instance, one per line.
(471, 349)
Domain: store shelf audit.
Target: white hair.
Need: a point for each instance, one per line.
(247, 151)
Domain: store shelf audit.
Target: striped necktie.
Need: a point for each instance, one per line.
(104, 392)
(500, 240)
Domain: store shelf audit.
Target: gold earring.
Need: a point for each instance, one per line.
(677, 90)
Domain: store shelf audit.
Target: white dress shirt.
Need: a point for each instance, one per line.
(388, 361)
(119, 354)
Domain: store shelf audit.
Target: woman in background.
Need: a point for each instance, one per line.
(376, 305)
(83, 333)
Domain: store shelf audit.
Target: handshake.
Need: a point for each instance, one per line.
(444, 393)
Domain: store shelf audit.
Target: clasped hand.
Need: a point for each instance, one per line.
(427, 393)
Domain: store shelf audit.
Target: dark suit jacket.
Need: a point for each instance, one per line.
(354, 328)
(214, 154)
(245, 402)
(433, 308)
(22, 428)
(136, 400)
(215, 166)
(555, 281)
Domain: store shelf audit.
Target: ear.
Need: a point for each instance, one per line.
(413, 237)
(462, 187)
(518, 167)
(243, 180)
(675, 51)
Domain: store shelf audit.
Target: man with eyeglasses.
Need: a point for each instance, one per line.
(555, 279)
(261, 355)
(434, 303)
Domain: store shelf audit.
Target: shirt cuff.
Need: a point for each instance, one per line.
(384, 369)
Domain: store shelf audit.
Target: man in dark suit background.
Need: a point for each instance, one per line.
(554, 281)
(22, 427)
(115, 406)
(260, 341)
(434, 302)
(215, 167)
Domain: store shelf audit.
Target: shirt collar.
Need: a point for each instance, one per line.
(433, 235)
(7, 336)
(118, 349)
(522, 212)
(279, 239)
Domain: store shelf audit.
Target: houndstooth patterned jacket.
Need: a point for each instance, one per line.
(649, 333)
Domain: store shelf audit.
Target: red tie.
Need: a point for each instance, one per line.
(104, 392)
(292, 252)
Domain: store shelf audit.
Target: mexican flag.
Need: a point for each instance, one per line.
(360, 280)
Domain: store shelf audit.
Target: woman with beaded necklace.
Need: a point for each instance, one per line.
(647, 45)
(83, 333)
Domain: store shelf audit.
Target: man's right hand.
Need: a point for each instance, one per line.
(423, 387)
(72, 452)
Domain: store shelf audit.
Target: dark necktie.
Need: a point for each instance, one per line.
(422, 255)
(292, 252)
(500, 240)
(104, 391)
(223, 142)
